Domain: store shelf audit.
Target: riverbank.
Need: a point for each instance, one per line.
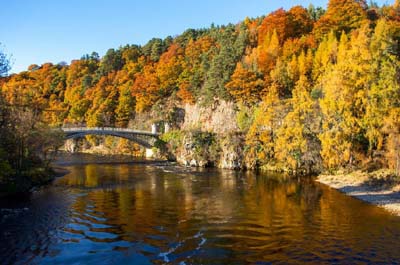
(30, 181)
(380, 187)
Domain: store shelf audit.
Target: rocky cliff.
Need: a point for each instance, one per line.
(208, 136)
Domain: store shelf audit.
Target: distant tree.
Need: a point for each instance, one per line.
(153, 49)
(315, 12)
(277, 21)
(4, 64)
(33, 67)
(223, 64)
(131, 53)
(126, 105)
(186, 36)
(195, 65)
(112, 61)
(62, 64)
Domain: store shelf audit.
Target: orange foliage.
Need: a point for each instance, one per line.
(145, 88)
(184, 94)
(245, 85)
(341, 15)
(276, 21)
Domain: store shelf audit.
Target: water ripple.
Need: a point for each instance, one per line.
(135, 214)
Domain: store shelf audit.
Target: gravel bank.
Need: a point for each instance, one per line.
(361, 186)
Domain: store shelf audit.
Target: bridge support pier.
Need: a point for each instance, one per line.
(70, 145)
(149, 153)
(154, 128)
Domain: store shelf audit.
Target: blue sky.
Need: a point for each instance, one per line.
(61, 30)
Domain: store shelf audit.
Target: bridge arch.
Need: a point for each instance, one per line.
(143, 138)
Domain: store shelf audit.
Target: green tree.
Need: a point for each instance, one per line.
(112, 61)
(232, 44)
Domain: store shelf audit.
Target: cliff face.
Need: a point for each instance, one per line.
(209, 136)
(219, 118)
(202, 149)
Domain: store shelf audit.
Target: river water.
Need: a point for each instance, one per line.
(110, 211)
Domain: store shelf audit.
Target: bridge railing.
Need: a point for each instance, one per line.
(85, 129)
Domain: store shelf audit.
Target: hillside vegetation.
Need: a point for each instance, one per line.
(313, 89)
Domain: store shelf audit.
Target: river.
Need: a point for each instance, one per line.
(111, 211)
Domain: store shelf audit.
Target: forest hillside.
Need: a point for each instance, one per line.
(306, 88)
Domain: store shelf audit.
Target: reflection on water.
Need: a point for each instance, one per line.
(157, 214)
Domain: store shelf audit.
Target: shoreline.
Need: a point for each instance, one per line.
(364, 187)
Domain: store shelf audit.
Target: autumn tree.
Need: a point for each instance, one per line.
(145, 88)
(197, 58)
(121, 96)
(74, 94)
(245, 85)
(300, 21)
(323, 59)
(342, 15)
(392, 129)
(383, 94)
(169, 68)
(278, 21)
(268, 53)
(342, 106)
(103, 98)
(261, 137)
(297, 145)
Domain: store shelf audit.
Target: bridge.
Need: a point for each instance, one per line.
(144, 138)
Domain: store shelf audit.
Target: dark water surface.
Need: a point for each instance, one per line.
(143, 213)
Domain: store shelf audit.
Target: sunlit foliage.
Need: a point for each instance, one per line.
(324, 84)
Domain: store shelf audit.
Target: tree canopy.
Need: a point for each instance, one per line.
(326, 81)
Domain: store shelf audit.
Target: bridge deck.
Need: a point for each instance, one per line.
(107, 129)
